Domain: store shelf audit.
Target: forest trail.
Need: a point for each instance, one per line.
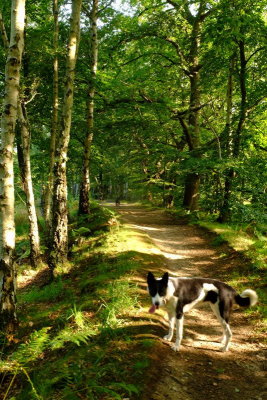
(199, 370)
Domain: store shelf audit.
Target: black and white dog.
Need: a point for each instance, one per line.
(179, 295)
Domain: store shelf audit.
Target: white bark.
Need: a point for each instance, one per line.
(27, 184)
(54, 128)
(8, 316)
(85, 184)
(59, 245)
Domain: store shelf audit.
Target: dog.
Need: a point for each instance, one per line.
(180, 295)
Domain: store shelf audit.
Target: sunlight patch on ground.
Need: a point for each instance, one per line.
(149, 249)
(239, 240)
(172, 256)
(145, 228)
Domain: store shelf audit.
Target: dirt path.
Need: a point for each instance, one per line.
(199, 371)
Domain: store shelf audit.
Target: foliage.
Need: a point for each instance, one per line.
(66, 351)
(246, 239)
(139, 150)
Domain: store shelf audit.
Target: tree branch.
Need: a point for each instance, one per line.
(178, 51)
(255, 52)
(186, 133)
(148, 54)
(178, 114)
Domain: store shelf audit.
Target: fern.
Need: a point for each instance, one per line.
(26, 352)
(31, 350)
(82, 231)
(127, 387)
(104, 390)
(69, 335)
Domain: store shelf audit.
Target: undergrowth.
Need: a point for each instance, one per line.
(79, 336)
(75, 339)
(250, 240)
(247, 238)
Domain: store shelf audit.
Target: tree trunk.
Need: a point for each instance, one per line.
(191, 192)
(84, 206)
(228, 137)
(24, 139)
(8, 316)
(59, 243)
(228, 148)
(54, 127)
(225, 214)
(22, 133)
(192, 181)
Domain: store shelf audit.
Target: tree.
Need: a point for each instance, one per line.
(23, 148)
(23, 139)
(246, 48)
(59, 242)
(85, 181)
(55, 109)
(8, 316)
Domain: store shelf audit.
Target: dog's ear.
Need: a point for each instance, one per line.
(165, 278)
(150, 278)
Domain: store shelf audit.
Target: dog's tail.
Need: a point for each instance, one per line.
(247, 298)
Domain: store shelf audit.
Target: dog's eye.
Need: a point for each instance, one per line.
(162, 292)
(152, 292)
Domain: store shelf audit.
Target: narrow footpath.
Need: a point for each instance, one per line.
(199, 371)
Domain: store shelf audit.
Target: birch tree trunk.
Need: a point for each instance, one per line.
(59, 242)
(54, 127)
(26, 177)
(8, 316)
(84, 206)
(23, 138)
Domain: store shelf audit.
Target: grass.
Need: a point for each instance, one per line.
(77, 337)
(48, 293)
(234, 235)
(253, 244)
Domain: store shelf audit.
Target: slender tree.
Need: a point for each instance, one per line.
(8, 316)
(23, 145)
(23, 139)
(59, 243)
(54, 127)
(85, 183)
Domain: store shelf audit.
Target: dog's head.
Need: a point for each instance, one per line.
(157, 289)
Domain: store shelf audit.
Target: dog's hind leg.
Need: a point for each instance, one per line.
(172, 319)
(223, 316)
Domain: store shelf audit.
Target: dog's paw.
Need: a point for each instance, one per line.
(175, 347)
(224, 349)
(168, 338)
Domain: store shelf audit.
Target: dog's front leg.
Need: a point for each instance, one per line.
(172, 319)
(179, 333)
